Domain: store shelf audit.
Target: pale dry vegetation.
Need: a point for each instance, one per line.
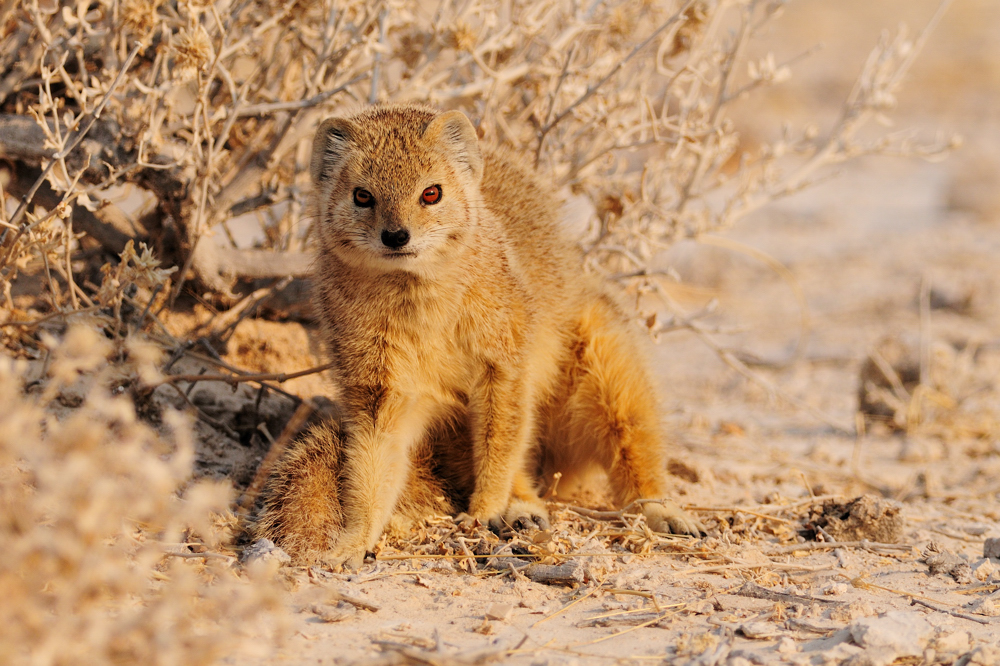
(156, 154)
(98, 517)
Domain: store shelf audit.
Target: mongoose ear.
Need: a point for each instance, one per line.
(330, 148)
(459, 137)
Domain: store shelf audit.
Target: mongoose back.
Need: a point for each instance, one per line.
(472, 355)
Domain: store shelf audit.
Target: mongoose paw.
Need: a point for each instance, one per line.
(465, 521)
(520, 516)
(524, 515)
(344, 557)
(665, 516)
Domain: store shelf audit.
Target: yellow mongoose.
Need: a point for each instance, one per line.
(473, 356)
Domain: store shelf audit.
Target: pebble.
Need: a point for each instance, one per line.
(991, 547)
(952, 643)
(499, 612)
(988, 606)
(759, 630)
(983, 569)
(264, 550)
(905, 632)
(984, 655)
(945, 563)
(786, 646)
(703, 607)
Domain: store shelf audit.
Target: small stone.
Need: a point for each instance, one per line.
(952, 643)
(264, 550)
(983, 569)
(759, 630)
(328, 615)
(991, 547)
(905, 632)
(852, 611)
(834, 589)
(786, 646)
(703, 607)
(988, 606)
(499, 612)
(945, 563)
(866, 517)
(984, 655)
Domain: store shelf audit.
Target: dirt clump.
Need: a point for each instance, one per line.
(941, 561)
(862, 518)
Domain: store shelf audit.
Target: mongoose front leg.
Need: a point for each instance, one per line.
(526, 510)
(501, 425)
(382, 428)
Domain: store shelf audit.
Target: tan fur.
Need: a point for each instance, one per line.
(472, 362)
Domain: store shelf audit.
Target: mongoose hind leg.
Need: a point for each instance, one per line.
(612, 408)
(302, 509)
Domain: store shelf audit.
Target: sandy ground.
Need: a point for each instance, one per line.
(861, 248)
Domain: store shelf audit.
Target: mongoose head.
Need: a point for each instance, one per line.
(397, 187)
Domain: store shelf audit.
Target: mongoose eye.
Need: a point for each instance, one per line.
(431, 195)
(363, 198)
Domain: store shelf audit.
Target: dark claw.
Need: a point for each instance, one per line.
(541, 522)
(523, 523)
(497, 526)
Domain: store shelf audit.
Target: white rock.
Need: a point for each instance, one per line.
(983, 569)
(834, 589)
(703, 607)
(952, 642)
(264, 550)
(988, 606)
(905, 632)
(786, 646)
(984, 655)
(499, 612)
(758, 630)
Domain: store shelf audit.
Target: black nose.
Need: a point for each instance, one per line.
(395, 239)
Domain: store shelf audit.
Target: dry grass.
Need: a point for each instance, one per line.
(99, 519)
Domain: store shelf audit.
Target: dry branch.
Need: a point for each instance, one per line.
(354, 601)
(70, 144)
(950, 611)
(754, 591)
